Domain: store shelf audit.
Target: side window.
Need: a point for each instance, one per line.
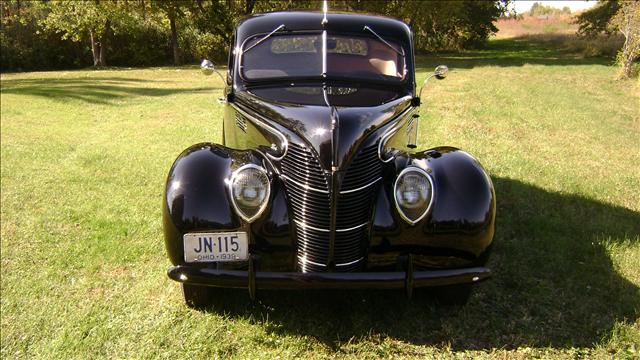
(231, 60)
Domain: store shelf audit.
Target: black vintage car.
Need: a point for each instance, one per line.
(317, 183)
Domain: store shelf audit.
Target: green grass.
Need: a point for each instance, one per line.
(83, 160)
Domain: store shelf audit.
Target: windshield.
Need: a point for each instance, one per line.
(300, 55)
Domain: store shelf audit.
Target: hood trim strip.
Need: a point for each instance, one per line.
(394, 129)
(269, 128)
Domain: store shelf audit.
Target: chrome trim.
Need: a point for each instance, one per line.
(424, 84)
(269, 128)
(361, 187)
(351, 263)
(307, 187)
(412, 119)
(305, 261)
(366, 27)
(395, 186)
(324, 53)
(263, 207)
(301, 224)
(241, 122)
(326, 100)
(325, 8)
(394, 129)
(264, 38)
(353, 228)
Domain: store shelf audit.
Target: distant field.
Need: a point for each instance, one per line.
(84, 155)
(558, 32)
(532, 25)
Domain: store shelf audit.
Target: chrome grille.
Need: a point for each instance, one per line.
(308, 191)
(355, 205)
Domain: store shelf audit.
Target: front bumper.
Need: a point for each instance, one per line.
(253, 280)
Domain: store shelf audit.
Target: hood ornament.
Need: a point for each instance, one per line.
(324, 10)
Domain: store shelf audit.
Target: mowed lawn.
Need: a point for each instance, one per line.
(84, 155)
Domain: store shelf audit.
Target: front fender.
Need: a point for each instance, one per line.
(196, 195)
(459, 229)
(464, 211)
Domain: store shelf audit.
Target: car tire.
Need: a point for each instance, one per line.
(197, 296)
(453, 294)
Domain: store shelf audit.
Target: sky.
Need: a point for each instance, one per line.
(576, 5)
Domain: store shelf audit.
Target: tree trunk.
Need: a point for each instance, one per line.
(95, 49)
(174, 38)
(249, 7)
(629, 51)
(628, 59)
(628, 22)
(104, 40)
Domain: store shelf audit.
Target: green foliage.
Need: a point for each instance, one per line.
(450, 25)
(621, 17)
(144, 44)
(596, 20)
(75, 19)
(627, 22)
(147, 32)
(25, 45)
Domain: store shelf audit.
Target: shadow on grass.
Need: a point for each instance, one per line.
(94, 90)
(550, 50)
(554, 285)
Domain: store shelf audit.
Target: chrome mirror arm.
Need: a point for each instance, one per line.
(440, 73)
(208, 68)
(424, 84)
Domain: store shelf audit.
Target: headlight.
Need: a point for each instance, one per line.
(250, 189)
(413, 192)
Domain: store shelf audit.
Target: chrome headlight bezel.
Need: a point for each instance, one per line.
(234, 176)
(427, 209)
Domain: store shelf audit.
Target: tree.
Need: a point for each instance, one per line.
(151, 32)
(449, 25)
(596, 20)
(173, 9)
(611, 16)
(78, 18)
(627, 21)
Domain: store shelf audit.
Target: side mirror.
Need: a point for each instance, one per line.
(441, 72)
(207, 67)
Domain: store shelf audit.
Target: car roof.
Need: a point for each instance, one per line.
(312, 21)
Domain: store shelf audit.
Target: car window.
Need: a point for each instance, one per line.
(295, 55)
(313, 44)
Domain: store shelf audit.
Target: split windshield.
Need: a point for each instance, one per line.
(300, 56)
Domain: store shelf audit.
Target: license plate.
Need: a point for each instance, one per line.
(214, 247)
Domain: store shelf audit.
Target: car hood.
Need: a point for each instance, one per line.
(333, 131)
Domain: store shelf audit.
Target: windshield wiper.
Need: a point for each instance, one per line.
(264, 38)
(366, 27)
